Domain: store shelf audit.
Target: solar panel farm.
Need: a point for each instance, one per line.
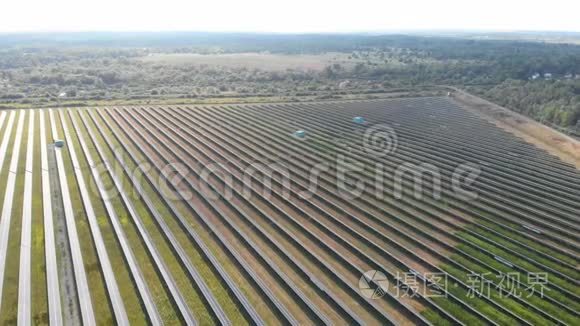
(395, 211)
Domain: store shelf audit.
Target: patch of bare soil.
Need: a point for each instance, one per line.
(554, 142)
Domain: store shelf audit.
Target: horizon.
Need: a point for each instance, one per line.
(409, 31)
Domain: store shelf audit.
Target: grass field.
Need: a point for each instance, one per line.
(265, 61)
(227, 217)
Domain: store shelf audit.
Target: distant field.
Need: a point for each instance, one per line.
(274, 62)
(419, 213)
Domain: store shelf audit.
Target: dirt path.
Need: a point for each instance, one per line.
(554, 142)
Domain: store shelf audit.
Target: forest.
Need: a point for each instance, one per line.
(536, 78)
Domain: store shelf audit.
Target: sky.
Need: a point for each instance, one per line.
(290, 16)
